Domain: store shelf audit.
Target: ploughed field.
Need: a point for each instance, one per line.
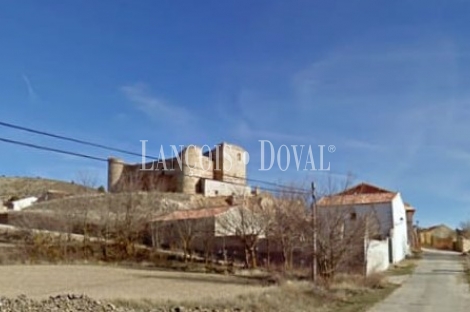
(111, 283)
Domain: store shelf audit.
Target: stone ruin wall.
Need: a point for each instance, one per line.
(187, 179)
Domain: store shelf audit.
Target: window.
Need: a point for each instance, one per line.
(239, 156)
(353, 216)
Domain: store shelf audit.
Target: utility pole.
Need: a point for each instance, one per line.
(314, 229)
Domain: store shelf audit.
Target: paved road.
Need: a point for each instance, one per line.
(436, 285)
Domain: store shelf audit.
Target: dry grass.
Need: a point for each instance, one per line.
(26, 186)
(9, 254)
(359, 282)
(416, 254)
(41, 247)
(291, 297)
(405, 267)
(358, 293)
(466, 265)
(99, 208)
(346, 294)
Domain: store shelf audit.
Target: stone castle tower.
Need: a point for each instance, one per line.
(220, 171)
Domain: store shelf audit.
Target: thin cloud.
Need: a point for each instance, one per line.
(244, 130)
(359, 74)
(364, 145)
(392, 97)
(154, 107)
(29, 87)
(399, 116)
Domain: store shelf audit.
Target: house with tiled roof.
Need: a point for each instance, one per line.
(364, 188)
(368, 189)
(207, 229)
(386, 207)
(439, 237)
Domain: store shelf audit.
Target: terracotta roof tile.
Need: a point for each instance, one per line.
(373, 198)
(193, 213)
(364, 188)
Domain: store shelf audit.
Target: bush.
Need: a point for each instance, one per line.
(375, 281)
(355, 282)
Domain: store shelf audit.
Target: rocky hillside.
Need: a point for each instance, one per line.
(102, 202)
(100, 208)
(27, 186)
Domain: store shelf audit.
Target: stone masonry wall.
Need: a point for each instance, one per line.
(184, 174)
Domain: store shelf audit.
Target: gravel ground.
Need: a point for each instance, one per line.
(39, 282)
(79, 303)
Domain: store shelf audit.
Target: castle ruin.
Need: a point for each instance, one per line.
(217, 172)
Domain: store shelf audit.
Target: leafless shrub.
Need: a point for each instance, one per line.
(89, 179)
(342, 243)
(247, 222)
(357, 281)
(41, 246)
(344, 233)
(287, 225)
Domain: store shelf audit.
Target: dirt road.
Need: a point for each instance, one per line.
(102, 282)
(436, 285)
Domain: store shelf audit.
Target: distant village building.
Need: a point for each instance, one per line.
(53, 194)
(439, 237)
(217, 225)
(218, 172)
(20, 204)
(413, 237)
(463, 241)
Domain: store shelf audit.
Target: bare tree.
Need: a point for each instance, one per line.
(89, 179)
(129, 214)
(207, 236)
(187, 230)
(190, 229)
(343, 238)
(465, 226)
(287, 228)
(248, 223)
(137, 208)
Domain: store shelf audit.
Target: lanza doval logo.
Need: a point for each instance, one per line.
(282, 156)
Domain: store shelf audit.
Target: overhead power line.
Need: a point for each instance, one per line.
(122, 151)
(65, 152)
(50, 149)
(70, 139)
(279, 191)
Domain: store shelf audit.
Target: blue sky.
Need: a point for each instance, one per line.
(385, 82)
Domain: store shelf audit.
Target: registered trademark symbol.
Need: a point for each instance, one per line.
(331, 148)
